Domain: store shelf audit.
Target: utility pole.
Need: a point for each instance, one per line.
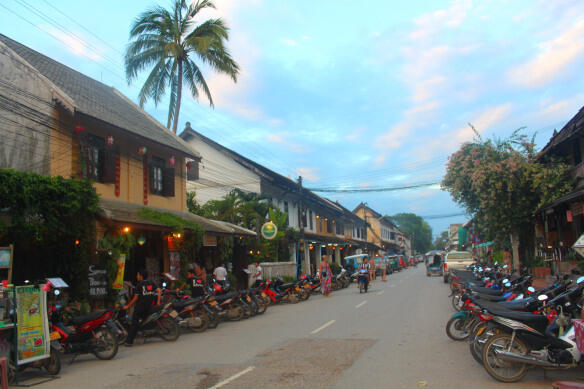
(301, 253)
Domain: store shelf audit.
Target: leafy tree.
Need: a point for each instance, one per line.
(441, 241)
(415, 227)
(167, 41)
(501, 184)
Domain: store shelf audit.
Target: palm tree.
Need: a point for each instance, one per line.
(168, 41)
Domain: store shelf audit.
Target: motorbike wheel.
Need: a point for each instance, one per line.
(334, 284)
(262, 306)
(303, 294)
(52, 365)
(167, 329)
(456, 302)
(204, 321)
(235, 313)
(292, 298)
(213, 321)
(107, 343)
(361, 287)
(504, 371)
(457, 328)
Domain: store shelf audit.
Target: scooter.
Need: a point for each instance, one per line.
(363, 279)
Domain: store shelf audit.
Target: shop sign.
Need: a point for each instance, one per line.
(32, 324)
(97, 281)
(210, 241)
(579, 245)
(269, 230)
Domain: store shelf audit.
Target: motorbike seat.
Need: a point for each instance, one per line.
(226, 296)
(288, 285)
(538, 321)
(78, 320)
(482, 290)
(520, 305)
(488, 297)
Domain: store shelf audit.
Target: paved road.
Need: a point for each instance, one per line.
(391, 337)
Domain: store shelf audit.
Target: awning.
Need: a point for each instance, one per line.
(123, 212)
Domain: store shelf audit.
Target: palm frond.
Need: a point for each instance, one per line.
(173, 95)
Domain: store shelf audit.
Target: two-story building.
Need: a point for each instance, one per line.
(383, 236)
(324, 226)
(60, 122)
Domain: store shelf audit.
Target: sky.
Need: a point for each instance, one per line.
(350, 95)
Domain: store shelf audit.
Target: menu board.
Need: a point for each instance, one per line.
(32, 324)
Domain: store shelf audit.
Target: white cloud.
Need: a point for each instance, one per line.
(554, 57)
(80, 47)
(430, 24)
(486, 120)
(308, 173)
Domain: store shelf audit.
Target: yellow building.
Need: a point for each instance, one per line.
(383, 234)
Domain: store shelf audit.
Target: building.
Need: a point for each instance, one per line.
(382, 235)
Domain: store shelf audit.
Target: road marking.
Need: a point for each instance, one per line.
(361, 304)
(322, 327)
(232, 378)
(380, 292)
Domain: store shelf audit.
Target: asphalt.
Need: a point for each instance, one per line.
(391, 337)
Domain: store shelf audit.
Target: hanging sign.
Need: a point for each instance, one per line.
(32, 324)
(579, 245)
(269, 230)
(119, 281)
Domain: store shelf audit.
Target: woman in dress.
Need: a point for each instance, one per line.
(325, 274)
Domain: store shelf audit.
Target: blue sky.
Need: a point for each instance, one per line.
(351, 94)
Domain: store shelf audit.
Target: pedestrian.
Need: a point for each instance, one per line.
(220, 274)
(383, 267)
(258, 275)
(146, 294)
(325, 275)
(200, 273)
(372, 269)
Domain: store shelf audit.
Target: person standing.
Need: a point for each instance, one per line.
(200, 273)
(383, 268)
(258, 275)
(372, 269)
(220, 274)
(146, 294)
(325, 275)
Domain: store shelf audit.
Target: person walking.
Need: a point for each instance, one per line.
(383, 267)
(372, 269)
(146, 294)
(325, 275)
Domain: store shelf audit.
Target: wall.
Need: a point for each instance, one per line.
(272, 269)
(25, 143)
(219, 174)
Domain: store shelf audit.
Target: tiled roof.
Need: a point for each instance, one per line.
(575, 125)
(92, 98)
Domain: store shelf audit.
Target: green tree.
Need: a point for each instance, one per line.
(167, 41)
(415, 228)
(441, 241)
(501, 184)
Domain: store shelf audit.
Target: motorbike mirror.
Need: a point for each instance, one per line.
(507, 284)
(480, 269)
(57, 292)
(164, 284)
(505, 280)
(542, 297)
(531, 289)
(505, 266)
(580, 280)
(496, 263)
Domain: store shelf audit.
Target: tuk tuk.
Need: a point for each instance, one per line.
(434, 260)
(352, 262)
(394, 263)
(381, 265)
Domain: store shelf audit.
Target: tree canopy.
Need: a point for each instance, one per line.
(415, 227)
(167, 41)
(501, 183)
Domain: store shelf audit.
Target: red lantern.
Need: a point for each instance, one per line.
(110, 140)
(172, 160)
(189, 165)
(79, 129)
(569, 216)
(142, 150)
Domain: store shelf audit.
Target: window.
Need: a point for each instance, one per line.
(329, 226)
(340, 228)
(310, 218)
(192, 170)
(161, 178)
(392, 236)
(98, 162)
(286, 210)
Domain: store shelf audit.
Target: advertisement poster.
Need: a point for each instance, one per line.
(97, 281)
(174, 263)
(119, 281)
(32, 324)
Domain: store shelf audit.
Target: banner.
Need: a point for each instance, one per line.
(32, 324)
(119, 281)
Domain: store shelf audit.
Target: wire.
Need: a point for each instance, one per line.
(364, 190)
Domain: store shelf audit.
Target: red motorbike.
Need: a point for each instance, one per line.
(86, 334)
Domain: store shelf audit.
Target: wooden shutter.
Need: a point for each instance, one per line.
(168, 182)
(193, 172)
(108, 166)
(150, 177)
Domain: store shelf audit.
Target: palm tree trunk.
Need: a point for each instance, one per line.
(178, 95)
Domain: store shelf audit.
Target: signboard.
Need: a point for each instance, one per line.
(209, 240)
(119, 281)
(269, 230)
(97, 281)
(174, 257)
(32, 324)
(6, 260)
(579, 245)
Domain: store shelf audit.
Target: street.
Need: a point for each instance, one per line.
(391, 337)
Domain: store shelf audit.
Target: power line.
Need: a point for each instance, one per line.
(364, 190)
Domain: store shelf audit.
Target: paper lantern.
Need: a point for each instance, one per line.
(172, 160)
(142, 150)
(79, 129)
(110, 140)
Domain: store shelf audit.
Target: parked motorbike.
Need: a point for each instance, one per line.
(84, 334)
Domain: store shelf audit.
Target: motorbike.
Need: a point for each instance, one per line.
(158, 323)
(189, 313)
(223, 307)
(363, 279)
(86, 334)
